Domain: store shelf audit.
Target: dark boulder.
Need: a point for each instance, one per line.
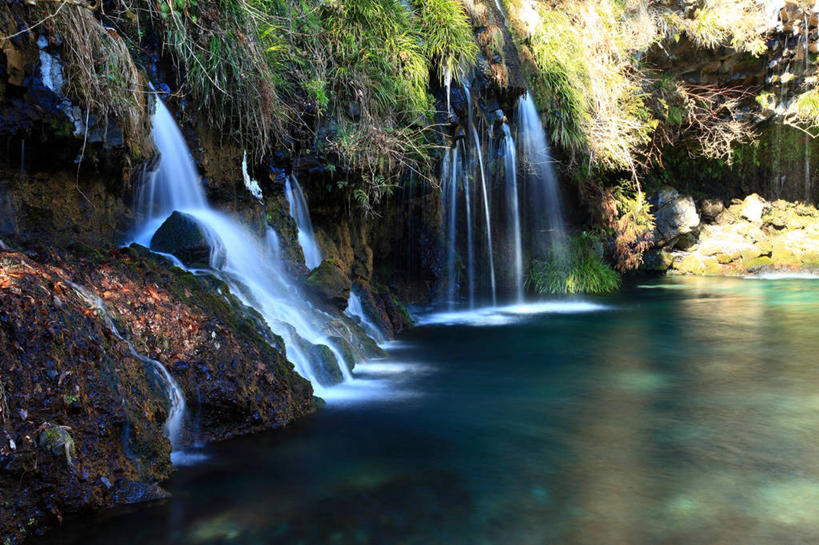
(330, 282)
(183, 236)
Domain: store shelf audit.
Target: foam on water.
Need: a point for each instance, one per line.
(505, 315)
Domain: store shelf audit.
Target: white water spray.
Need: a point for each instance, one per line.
(510, 156)
(249, 264)
(300, 213)
(491, 256)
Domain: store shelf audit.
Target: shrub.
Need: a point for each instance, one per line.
(577, 268)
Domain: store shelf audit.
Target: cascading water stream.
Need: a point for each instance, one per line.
(546, 217)
(478, 151)
(176, 398)
(450, 173)
(301, 214)
(355, 309)
(250, 265)
(807, 137)
(510, 156)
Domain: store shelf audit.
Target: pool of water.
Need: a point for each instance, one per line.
(677, 412)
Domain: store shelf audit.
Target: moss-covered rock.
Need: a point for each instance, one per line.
(56, 441)
(330, 282)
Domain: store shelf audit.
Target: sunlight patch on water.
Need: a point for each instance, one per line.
(505, 315)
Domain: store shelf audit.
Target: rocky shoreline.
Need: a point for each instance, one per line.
(82, 417)
(749, 236)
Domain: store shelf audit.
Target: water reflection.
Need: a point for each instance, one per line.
(682, 415)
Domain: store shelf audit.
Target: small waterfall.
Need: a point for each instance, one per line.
(250, 265)
(450, 175)
(530, 221)
(176, 399)
(806, 137)
(158, 199)
(301, 214)
(479, 152)
(510, 156)
(355, 309)
(546, 212)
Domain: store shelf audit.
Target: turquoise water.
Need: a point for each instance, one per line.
(680, 412)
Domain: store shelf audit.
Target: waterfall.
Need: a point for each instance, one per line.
(157, 197)
(176, 399)
(250, 265)
(301, 214)
(450, 174)
(510, 156)
(807, 137)
(355, 309)
(478, 151)
(530, 221)
(546, 213)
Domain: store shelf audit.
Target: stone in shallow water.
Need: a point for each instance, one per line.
(182, 236)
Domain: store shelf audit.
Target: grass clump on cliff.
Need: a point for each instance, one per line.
(576, 268)
(349, 77)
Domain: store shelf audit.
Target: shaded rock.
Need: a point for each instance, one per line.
(330, 282)
(324, 364)
(58, 442)
(346, 349)
(711, 208)
(129, 492)
(182, 236)
(674, 215)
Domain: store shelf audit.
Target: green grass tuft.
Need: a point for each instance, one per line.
(575, 269)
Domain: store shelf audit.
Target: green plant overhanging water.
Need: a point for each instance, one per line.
(577, 268)
(286, 74)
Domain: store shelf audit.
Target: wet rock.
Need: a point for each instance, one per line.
(58, 442)
(183, 236)
(324, 364)
(330, 282)
(129, 492)
(346, 349)
(674, 215)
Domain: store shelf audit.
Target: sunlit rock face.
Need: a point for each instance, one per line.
(750, 236)
(674, 215)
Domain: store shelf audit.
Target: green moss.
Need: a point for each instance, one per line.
(757, 263)
(402, 310)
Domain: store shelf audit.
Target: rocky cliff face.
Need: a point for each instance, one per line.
(82, 417)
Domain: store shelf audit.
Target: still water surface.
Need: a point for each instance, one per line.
(679, 412)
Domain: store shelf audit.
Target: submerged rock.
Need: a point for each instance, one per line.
(183, 236)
